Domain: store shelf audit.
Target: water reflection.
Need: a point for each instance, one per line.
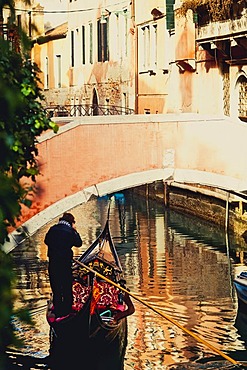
(179, 264)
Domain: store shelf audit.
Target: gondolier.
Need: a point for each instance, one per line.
(60, 239)
(95, 335)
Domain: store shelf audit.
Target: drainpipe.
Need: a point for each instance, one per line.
(227, 213)
(135, 54)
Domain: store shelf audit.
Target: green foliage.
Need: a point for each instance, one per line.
(217, 9)
(6, 307)
(22, 120)
(10, 191)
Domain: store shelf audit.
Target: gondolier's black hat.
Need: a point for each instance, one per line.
(68, 217)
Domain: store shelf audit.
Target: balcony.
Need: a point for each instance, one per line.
(231, 24)
(221, 29)
(225, 33)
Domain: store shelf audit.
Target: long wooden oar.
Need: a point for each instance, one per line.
(195, 336)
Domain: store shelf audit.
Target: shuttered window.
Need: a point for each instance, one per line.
(148, 47)
(83, 51)
(103, 42)
(170, 14)
(91, 43)
(72, 49)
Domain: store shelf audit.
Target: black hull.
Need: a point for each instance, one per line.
(83, 342)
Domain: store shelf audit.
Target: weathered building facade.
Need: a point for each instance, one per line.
(221, 52)
(89, 60)
(157, 56)
(191, 61)
(155, 50)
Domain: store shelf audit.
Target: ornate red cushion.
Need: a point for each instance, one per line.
(108, 295)
(80, 295)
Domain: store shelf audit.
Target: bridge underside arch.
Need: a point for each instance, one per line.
(176, 177)
(32, 225)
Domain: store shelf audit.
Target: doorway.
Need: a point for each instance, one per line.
(95, 103)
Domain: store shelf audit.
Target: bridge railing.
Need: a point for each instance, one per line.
(86, 110)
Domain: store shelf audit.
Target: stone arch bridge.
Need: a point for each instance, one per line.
(104, 154)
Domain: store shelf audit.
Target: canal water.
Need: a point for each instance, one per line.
(178, 264)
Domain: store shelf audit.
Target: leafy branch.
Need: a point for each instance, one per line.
(22, 120)
(217, 9)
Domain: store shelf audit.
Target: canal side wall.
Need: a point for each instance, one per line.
(213, 205)
(104, 154)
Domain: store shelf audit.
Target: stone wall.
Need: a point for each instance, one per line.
(198, 202)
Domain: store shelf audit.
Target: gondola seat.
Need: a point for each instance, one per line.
(108, 296)
(80, 295)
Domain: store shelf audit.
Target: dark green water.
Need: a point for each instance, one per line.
(178, 264)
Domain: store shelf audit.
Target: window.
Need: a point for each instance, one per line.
(242, 98)
(154, 47)
(146, 51)
(19, 21)
(226, 90)
(83, 56)
(148, 47)
(77, 47)
(103, 49)
(58, 71)
(91, 43)
(170, 14)
(125, 35)
(115, 46)
(72, 49)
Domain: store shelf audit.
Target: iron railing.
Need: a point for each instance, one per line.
(86, 110)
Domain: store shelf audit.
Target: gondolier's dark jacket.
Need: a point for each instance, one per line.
(60, 239)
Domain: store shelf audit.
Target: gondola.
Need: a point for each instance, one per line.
(91, 332)
(240, 283)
